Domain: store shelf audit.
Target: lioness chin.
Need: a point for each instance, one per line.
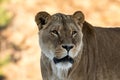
(73, 49)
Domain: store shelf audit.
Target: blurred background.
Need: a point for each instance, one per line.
(19, 49)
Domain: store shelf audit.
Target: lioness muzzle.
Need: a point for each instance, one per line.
(64, 59)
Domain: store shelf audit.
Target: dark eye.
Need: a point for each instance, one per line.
(74, 33)
(54, 32)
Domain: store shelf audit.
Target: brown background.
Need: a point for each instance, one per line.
(20, 39)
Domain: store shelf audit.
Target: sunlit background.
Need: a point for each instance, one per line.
(19, 49)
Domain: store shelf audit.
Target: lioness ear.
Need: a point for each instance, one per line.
(79, 17)
(41, 19)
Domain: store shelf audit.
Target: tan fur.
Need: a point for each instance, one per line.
(96, 51)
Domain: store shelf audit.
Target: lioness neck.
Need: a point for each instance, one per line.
(58, 73)
(51, 72)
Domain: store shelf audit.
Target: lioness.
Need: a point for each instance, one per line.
(73, 49)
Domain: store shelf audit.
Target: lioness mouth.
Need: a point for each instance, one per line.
(64, 59)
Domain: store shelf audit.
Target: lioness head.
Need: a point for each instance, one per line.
(60, 36)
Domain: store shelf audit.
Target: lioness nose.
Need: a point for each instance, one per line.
(67, 47)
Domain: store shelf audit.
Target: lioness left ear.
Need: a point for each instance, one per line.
(79, 17)
(42, 19)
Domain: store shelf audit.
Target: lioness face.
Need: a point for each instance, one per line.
(60, 37)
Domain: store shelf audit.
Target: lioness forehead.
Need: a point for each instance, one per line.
(62, 20)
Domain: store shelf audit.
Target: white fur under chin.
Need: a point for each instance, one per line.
(64, 65)
(61, 70)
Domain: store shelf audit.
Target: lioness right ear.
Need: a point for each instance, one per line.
(42, 19)
(79, 17)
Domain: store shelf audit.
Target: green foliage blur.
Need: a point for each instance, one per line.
(5, 16)
(5, 61)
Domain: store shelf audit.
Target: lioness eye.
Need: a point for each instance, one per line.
(74, 33)
(54, 32)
